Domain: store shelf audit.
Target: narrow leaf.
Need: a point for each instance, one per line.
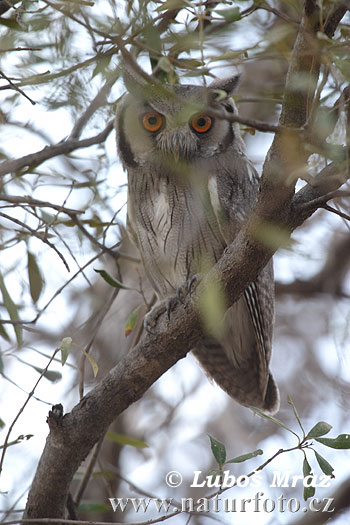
(215, 473)
(131, 321)
(2, 423)
(169, 5)
(3, 332)
(340, 442)
(295, 413)
(35, 278)
(273, 419)
(65, 347)
(244, 457)
(91, 506)
(320, 429)
(110, 280)
(50, 375)
(309, 492)
(324, 465)
(218, 450)
(230, 15)
(92, 361)
(12, 310)
(122, 439)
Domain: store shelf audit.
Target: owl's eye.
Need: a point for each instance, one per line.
(201, 123)
(152, 121)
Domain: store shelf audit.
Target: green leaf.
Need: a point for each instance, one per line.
(111, 281)
(35, 279)
(324, 465)
(230, 15)
(65, 347)
(273, 419)
(320, 429)
(91, 360)
(295, 413)
(11, 23)
(101, 65)
(215, 472)
(340, 442)
(229, 55)
(92, 506)
(218, 450)
(3, 332)
(171, 4)
(122, 439)
(272, 235)
(212, 307)
(2, 423)
(131, 321)
(165, 64)
(12, 310)
(244, 457)
(50, 375)
(344, 67)
(309, 492)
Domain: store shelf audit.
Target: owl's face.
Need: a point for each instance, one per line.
(175, 127)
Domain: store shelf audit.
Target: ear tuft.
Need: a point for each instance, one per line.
(225, 85)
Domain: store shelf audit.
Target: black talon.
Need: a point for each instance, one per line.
(195, 280)
(170, 303)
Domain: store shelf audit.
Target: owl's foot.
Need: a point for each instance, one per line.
(188, 287)
(150, 320)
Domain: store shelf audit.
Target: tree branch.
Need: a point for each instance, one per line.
(69, 443)
(62, 148)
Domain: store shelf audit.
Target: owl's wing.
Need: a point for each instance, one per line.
(239, 363)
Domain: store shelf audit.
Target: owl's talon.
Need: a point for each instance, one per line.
(182, 292)
(150, 320)
(188, 287)
(194, 282)
(170, 303)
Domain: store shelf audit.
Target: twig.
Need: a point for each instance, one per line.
(98, 101)
(36, 234)
(88, 472)
(251, 123)
(14, 199)
(92, 238)
(56, 294)
(20, 49)
(62, 148)
(16, 88)
(337, 212)
(23, 407)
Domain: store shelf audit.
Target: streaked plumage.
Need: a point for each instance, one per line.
(188, 193)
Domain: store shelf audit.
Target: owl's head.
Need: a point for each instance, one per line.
(175, 122)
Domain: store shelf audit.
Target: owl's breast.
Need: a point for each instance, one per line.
(176, 230)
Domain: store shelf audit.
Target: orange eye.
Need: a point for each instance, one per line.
(201, 123)
(152, 121)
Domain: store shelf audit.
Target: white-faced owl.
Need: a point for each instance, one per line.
(190, 187)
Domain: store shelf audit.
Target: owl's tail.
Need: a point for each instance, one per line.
(242, 382)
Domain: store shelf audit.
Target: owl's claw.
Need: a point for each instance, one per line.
(170, 304)
(188, 287)
(150, 320)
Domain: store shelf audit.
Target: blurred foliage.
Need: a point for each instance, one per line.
(60, 55)
(60, 80)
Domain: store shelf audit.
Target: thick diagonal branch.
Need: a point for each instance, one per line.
(69, 443)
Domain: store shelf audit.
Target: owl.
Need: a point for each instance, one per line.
(190, 187)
